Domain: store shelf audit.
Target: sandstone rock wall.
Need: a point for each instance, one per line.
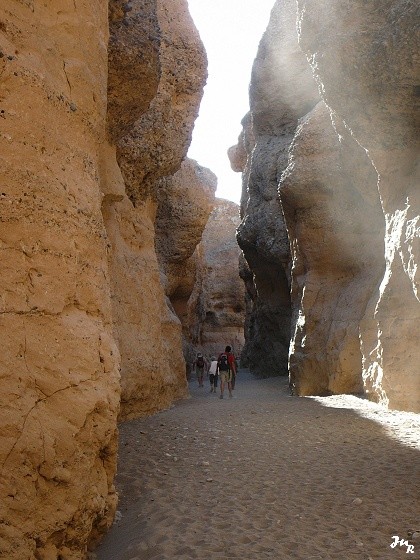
(81, 290)
(164, 82)
(276, 105)
(186, 201)
(370, 83)
(348, 187)
(59, 361)
(337, 247)
(216, 308)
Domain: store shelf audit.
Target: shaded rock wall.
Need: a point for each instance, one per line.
(347, 176)
(216, 308)
(276, 105)
(151, 143)
(59, 362)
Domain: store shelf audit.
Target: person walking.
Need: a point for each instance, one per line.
(199, 366)
(213, 375)
(226, 369)
(236, 370)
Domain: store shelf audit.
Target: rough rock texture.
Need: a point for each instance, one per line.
(349, 193)
(134, 62)
(185, 203)
(334, 219)
(151, 143)
(276, 104)
(59, 362)
(153, 146)
(216, 308)
(365, 57)
(80, 280)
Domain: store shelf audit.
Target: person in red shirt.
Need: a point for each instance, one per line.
(226, 368)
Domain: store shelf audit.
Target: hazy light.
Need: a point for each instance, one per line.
(231, 31)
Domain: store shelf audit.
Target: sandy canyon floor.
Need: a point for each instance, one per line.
(266, 475)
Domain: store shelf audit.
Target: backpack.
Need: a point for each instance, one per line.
(223, 362)
(200, 361)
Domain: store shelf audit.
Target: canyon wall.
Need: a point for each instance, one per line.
(369, 81)
(59, 363)
(348, 198)
(164, 82)
(96, 112)
(185, 205)
(216, 308)
(276, 104)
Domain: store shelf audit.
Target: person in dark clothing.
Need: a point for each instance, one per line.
(226, 368)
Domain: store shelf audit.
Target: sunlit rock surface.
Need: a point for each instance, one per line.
(365, 58)
(81, 284)
(330, 184)
(347, 173)
(167, 82)
(186, 201)
(59, 361)
(216, 309)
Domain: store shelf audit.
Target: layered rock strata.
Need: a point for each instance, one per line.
(216, 308)
(59, 362)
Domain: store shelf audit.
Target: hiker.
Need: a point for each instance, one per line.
(235, 368)
(213, 375)
(199, 366)
(227, 369)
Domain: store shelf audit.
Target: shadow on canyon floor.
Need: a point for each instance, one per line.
(266, 475)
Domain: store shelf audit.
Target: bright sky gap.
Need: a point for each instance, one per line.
(231, 31)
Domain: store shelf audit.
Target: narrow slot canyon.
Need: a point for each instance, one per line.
(122, 263)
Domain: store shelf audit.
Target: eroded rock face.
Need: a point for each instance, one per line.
(134, 62)
(185, 203)
(81, 283)
(150, 146)
(154, 145)
(216, 308)
(330, 184)
(59, 365)
(348, 192)
(276, 104)
(370, 81)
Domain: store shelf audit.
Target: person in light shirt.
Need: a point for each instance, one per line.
(213, 375)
